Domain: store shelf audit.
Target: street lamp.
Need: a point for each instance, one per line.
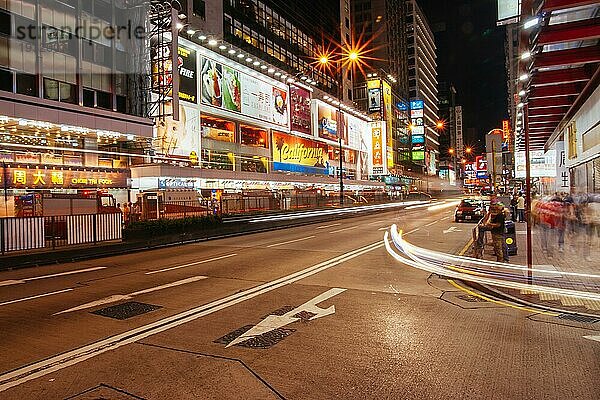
(348, 57)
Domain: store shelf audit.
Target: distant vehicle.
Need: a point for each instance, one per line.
(469, 210)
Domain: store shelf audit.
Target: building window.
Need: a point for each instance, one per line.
(27, 84)
(218, 129)
(199, 8)
(252, 136)
(89, 98)
(104, 100)
(60, 91)
(6, 80)
(347, 23)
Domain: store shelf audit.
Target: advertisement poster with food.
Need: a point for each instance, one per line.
(212, 76)
(180, 138)
(289, 149)
(226, 88)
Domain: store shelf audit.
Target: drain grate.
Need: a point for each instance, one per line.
(126, 310)
(471, 299)
(263, 341)
(579, 318)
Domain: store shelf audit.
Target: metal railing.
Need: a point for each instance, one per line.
(30, 233)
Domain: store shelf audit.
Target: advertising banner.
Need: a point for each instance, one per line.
(508, 9)
(328, 120)
(188, 82)
(180, 138)
(374, 95)
(418, 155)
(226, 88)
(300, 109)
(378, 149)
(292, 153)
(388, 106)
(460, 145)
(42, 178)
(542, 164)
(356, 127)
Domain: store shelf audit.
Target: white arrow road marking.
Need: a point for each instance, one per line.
(452, 229)
(273, 322)
(35, 278)
(596, 338)
(120, 297)
(35, 297)
(191, 264)
(291, 241)
(56, 363)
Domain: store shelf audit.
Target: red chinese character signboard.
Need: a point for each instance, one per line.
(42, 178)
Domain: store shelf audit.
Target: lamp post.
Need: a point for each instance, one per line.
(348, 57)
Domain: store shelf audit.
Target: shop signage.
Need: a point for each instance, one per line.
(356, 127)
(563, 178)
(418, 155)
(300, 109)
(41, 178)
(27, 158)
(417, 104)
(176, 183)
(188, 82)
(460, 145)
(226, 88)
(299, 154)
(508, 9)
(388, 106)
(571, 134)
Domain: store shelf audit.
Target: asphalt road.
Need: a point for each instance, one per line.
(313, 312)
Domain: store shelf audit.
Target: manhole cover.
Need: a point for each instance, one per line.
(126, 310)
(263, 341)
(471, 299)
(579, 318)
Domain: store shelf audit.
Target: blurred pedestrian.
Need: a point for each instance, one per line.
(521, 208)
(126, 212)
(591, 223)
(495, 224)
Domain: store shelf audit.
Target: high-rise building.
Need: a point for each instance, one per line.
(72, 97)
(423, 77)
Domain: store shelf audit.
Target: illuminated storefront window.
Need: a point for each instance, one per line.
(218, 129)
(252, 136)
(217, 160)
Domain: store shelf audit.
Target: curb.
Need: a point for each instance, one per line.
(498, 293)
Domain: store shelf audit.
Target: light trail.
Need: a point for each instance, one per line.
(411, 255)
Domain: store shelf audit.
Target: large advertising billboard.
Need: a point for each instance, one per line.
(374, 96)
(328, 121)
(378, 148)
(180, 138)
(296, 154)
(226, 88)
(300, 109)
(188, 82)
(508, 9)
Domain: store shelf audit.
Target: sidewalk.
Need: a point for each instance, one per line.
(570, 260)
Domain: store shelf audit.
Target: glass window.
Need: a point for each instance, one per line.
(254, 164)
(218, 129)
(217, 160)
(27, 84)
(252, 136)
(6, 80)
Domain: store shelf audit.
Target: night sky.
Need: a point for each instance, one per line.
(471, 55)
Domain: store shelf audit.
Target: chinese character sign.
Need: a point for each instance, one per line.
(41, 178)
(563, 178)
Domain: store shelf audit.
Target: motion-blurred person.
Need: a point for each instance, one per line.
(591, 222)
(521, 208)
(550, 217)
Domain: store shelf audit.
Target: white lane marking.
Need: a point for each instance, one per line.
(120, 297)
(58, 362)
(376, 222)
(424, 205)
(272, 322)
(344, 230)
(35, 297)
(327, 226)
(596, 338)
(191, 264)
(35, 278)
(385, 228)
(291, 241)
(394, 289)
(430, 224)
(445, 218)
(452, 229)
(413, 231)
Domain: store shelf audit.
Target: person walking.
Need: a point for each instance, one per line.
(521, 208)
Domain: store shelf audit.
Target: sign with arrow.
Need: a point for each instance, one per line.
(274, 322)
